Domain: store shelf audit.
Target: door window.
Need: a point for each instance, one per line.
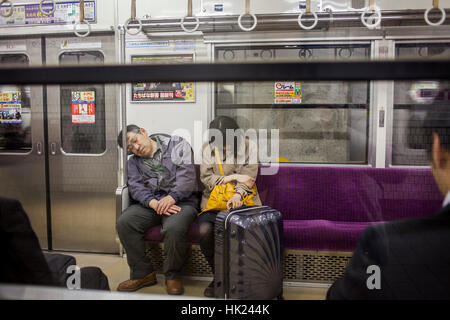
(15, 110)
(413, 102)
(82, 109)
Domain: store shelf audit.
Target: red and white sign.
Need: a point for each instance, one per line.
(83, 107)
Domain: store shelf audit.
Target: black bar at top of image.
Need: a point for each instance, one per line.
(353, 71)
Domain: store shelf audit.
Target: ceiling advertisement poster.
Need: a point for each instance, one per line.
(163, 91)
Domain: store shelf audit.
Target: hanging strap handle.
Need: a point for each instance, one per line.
(377, 11)
(51, 10)
(247, 13)
(190, 15)
(427, 12)
(219, 163)
(189, 10)
(82, 11)
(10, 6)
(133, 18)
(308, 10)
(82, 21)
(133, 9)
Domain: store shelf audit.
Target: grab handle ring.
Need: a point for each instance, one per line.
(133, 18)
(10, 6)
(127, 23)
(82, 20)
(197, 24)
(82, 35)
(255, 22)
(373, 25)
(189, 15)
(247, 13)
(441, 21)
(51, 10)
(299, 20)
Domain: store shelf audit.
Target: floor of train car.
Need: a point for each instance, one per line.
(117, 270)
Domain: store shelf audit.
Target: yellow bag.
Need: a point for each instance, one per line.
(222, 193)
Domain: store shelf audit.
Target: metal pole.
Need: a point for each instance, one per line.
(123, 106)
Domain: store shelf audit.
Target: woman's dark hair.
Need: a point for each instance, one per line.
(220, 125)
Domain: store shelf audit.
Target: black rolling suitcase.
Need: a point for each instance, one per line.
(249, 254)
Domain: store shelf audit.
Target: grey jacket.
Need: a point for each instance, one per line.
(179, 181)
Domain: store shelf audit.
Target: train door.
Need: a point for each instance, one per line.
(82, 133)
(22, 156)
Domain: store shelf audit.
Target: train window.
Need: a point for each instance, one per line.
(411, 101)
(317, 121)
(83, 109)
(15, 111)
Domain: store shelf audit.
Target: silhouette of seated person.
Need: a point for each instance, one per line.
(23, 261)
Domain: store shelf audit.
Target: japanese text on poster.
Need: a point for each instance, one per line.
(163, 91)
(83, 107)
(288, 92)
(11, 107)
(65, 12)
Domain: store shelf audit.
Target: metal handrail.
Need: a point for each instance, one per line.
(288, 21)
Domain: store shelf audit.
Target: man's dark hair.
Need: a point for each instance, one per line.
(130, 128)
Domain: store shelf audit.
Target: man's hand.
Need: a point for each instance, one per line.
(172, 210)
(234, 202)
(165, 204)
(245, 179)
(153, 203)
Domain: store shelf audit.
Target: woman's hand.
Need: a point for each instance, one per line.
(234, 202)
(230, 178)
(245, 179)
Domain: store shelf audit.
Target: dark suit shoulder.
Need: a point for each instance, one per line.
(413, 257)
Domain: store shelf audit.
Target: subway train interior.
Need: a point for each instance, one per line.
(341, 148)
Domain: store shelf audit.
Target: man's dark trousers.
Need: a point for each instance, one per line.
(136, 220)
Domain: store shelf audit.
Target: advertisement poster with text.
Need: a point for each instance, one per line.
(83, 106)
(288, 92)
(163, 91)
(31, 14)
(10, 107)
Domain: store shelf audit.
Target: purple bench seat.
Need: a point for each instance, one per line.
(327, 208)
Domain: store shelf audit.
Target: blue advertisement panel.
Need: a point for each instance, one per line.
(65, 13)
